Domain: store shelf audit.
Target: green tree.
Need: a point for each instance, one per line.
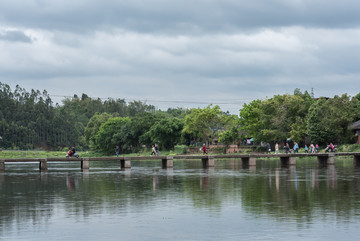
(277, 118)
(137, 107)
(249, 119)
(106, 138)
(284, 116)
(167, 132)
(93, 127)
(201, 123)
(230, 136)
(231, 132)
(328, 119)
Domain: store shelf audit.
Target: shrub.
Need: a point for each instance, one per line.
(349, 148)
(219, 150)
(180, 149)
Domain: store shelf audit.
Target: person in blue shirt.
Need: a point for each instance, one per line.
(296, 147)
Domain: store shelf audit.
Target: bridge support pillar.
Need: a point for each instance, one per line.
(248, 161)
(208, 161)
(43, 165)
(167, 162)
(2, 165)
(326, 160)
(125, 163)
(288, 160)
(357, 161)
(85, 164)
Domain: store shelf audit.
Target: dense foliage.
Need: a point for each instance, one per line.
(300, 118)
(30, 120)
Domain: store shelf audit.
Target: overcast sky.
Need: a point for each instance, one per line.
(187, 53)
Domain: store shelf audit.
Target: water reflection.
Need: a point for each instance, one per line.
(307, 196)
(72, 182)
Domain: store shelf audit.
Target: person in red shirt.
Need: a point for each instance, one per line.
(204, 149)
(70, 153)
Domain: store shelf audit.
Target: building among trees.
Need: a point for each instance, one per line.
(355, 127)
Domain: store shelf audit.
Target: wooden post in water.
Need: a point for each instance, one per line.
(2, 165)
(125, 163)
(85, 164)
(167, 162)
(43, 166)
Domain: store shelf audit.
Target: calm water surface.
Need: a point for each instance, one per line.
(228, 202)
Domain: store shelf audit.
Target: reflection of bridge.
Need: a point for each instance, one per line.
(207, 160)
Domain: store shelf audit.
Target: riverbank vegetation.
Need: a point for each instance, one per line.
(30, 120)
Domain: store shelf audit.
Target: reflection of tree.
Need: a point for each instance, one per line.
(204, 191)
(301, 195)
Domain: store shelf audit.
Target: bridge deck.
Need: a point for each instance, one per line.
(208, 160)
(184, 157)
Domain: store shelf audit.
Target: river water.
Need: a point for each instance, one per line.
(188, 202)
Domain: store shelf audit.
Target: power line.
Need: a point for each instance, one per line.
(227, 102)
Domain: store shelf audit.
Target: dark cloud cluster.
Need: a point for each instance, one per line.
(180, 17)
(15, 36)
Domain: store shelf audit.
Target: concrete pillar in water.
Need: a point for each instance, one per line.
(85, 164)
(43, 166)
(252, 161)
(208, 161)
(357, 161)
(331, 159)
(2, 165)
(126, 162)
(249, 161)
(167, 162)
(325, 160)
(288, 160)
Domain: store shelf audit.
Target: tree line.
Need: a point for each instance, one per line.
(31, 120)
(301, 118)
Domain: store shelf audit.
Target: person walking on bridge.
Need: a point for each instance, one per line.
(296, 147)
(277, 148)
(204, 149)
(268, 148)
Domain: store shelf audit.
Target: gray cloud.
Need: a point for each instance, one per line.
(185, 16)
(15, 36)
(175, 52)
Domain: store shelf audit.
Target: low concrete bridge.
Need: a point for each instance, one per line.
(207, 160)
